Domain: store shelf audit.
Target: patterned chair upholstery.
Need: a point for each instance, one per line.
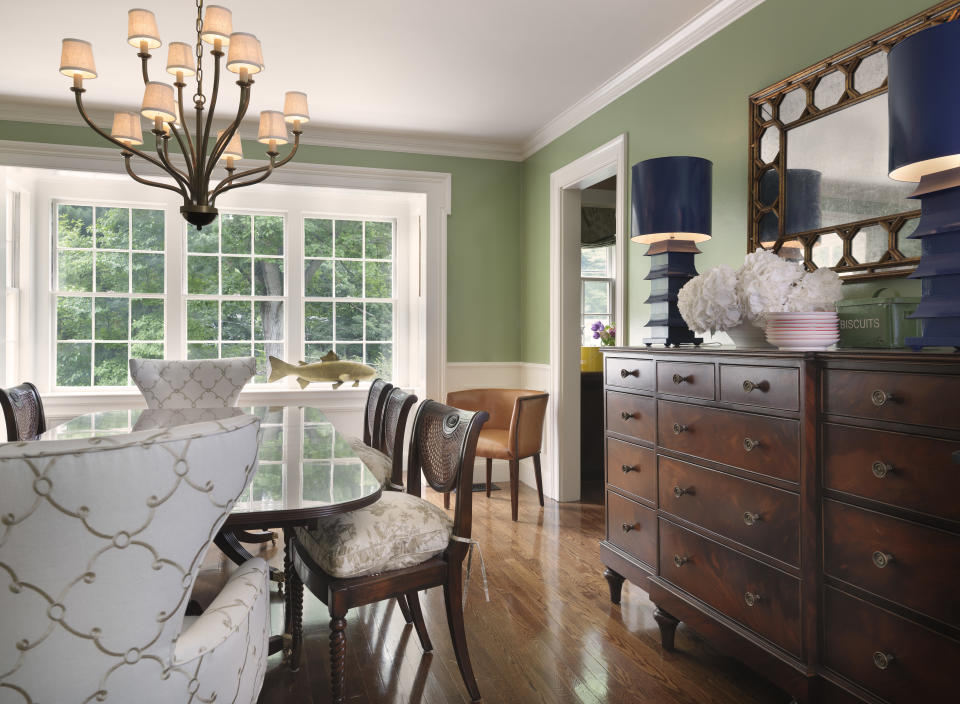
(101, 540)
(200, 383)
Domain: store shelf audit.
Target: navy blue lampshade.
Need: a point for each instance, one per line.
(803, 202)
(924, 102)
(672, 199)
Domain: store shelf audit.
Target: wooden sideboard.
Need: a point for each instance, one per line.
(799, 509)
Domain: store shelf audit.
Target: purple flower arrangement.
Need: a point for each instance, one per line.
(607, 334)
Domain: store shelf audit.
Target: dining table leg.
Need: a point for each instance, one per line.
(231, 546)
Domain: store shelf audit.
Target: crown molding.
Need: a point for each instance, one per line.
(699, 29)
(65, 113)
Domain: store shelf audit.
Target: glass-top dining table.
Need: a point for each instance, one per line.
(307, 470)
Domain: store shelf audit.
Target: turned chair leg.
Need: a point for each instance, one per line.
(413, 599)
(446, 500)
(515, 488)
(404, 608)
(536, 471)
(489, 474)
(452, 595)
(338, 653)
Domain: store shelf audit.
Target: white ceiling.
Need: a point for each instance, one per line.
(497, 70)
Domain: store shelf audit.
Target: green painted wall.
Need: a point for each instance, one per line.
(697, 106)
(484, 235)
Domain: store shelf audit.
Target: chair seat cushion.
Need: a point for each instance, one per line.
(494, 443)
(400, 530)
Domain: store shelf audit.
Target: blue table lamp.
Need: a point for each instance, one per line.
(924, 100)
(671, 213)
(803, 208)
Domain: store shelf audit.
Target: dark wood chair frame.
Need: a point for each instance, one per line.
(373, 413)
(458, 433)
(14, 432)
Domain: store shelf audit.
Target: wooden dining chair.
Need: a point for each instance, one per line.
(23, 412)
(373, 414)
(398, 546)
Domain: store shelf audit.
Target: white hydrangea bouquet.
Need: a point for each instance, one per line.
(723, 299)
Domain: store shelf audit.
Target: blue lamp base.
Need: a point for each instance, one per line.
(939, 269)
(671, 267)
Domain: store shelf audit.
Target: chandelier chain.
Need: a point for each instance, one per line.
(199, 98)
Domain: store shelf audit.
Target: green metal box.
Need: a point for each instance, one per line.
(879, 321)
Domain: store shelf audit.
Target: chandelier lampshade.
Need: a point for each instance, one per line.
(76, 59)
(217, 24)
(180, 59)
(126, 128)
(190, 168)
(142, 29)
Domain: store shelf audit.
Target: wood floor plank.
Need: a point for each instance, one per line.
(549, 633)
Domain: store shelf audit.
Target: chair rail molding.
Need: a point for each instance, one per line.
(562, 461)
(435, 186)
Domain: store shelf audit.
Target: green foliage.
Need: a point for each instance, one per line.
(203, 241)
(314, 352)
(316, 481)
(349, 325)
(318, 278)
(380, 357)
(73, 363)
(268, 234)
(317, 237)
(74, 226)
(146, 319)
(147, 272)
(113, 272)
(74, 318)
(349, 281)
(111, 318)
(379, 282)
(235, 349)
(148, 229)
(110, 364)
(348, 239)
(236, 320)
(318, 320)
(235, 233)
(350, 352)
(202, 350)
(318, 441)
(203, 320)
(235, 275)
(271, 446)
(75, 271)
(267, 483)
(203, 275)
(147, 350)
(379, 321)
(113, 228)
(379, 240)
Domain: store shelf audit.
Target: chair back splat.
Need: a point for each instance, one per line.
(23, 411)
(394, 424)
(373, 414)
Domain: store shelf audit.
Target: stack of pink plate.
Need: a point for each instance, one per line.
(802, 331)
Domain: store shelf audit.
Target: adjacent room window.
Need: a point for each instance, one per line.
(597, 274)
(349, 304)
(109, 286)
(235, 289)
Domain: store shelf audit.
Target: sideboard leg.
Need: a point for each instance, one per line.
(668, 627)
(615, 580)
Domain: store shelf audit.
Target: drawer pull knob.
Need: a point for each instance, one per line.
(679, 491)
(625, 468)
(750, 518)
(751, 598)
(881, 469)
(678, 428)
(880, 398)
(882, 660)
(680, 560)
(626, 416)
(624, 373)
(749, 386)
(678, 379)
(882, 559)
(627, 527)
(749, 444)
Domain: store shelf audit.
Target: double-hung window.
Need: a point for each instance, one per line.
(597, 276)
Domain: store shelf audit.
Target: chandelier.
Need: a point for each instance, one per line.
(200, 150)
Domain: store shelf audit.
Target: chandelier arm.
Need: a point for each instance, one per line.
(143, 67)
(221, 144)
(147, 182)
(288, 157)
(230, 183)
(210, 110)
(164, 154)
(183, 150)
(117, 142)
(186, 130)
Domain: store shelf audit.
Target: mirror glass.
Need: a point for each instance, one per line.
(848, 148)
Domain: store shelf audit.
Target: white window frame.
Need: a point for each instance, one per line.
(610, 278)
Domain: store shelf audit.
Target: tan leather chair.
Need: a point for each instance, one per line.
(514, 431)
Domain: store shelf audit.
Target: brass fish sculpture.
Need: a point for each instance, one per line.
(329, 369)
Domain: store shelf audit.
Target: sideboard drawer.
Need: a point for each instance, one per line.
(630, 414)
(632, 528)
(756, 515)
(632, 468)
(629, 372)
(858, 636)
(765, 600)
(901, 470)
(911, 564)
(694, 379)
(917, 399)
(761, 444)
(769, 387)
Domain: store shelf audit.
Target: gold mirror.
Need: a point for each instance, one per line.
(825, 128)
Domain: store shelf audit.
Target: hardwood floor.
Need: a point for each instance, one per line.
(548, 634)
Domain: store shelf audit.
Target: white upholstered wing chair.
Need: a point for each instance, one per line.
(100, 542)
(198, 383)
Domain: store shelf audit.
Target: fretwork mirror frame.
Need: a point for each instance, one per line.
(768, 124)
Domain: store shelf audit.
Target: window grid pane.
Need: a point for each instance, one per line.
(349, 302)
(109, 291)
